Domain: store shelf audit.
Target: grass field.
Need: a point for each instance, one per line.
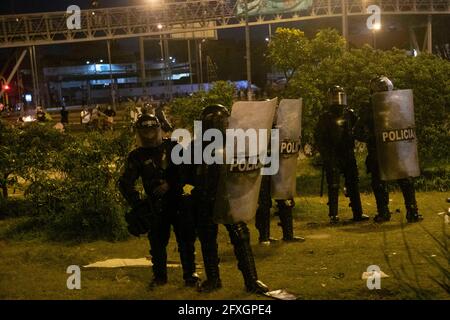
(328, 265)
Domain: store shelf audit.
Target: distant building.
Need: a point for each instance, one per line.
(91, 83)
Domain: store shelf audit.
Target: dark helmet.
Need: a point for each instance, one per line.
(148, 129)
(380, 84)
(215, 109)
(147, 121)
(215, 116)
(337, 96)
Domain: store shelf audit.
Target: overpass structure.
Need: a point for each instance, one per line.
(168, 19)
(174, 17)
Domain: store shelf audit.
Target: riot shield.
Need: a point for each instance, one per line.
(393, 115)
(240, 181)
(289, 115)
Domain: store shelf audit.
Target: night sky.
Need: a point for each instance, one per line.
(32, 6)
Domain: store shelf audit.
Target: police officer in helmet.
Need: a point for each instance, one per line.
(205, 180)
(365, 132)
(335, 142)
(161, 208)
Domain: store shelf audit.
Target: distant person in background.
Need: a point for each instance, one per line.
(85, 118)
(108, 122)
(40, 114)
(94, 118)
(64, 116)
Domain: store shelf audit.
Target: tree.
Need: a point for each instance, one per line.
(327, 43)
(26, 151)
(186, 110)
(288, 50)
(330, 64)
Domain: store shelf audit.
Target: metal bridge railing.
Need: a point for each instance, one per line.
(176, 17)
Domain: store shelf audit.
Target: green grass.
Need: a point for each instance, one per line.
(327, 266)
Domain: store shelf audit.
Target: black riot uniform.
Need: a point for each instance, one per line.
(161, 208)
(365, 132)
(205, 180)
(336, 144)
(284, 212)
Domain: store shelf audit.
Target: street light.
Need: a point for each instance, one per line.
(5, 89)
(376, 27)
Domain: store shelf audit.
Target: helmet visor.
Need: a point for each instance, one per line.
(337, 98)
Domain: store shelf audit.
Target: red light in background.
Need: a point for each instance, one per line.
(6, 87)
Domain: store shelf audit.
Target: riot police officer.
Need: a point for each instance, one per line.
(365, 132)
(205, 180)
(335, 142)
(161, 208)
(284, 212)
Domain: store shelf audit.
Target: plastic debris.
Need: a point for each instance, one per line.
(120, 263)
(281, 294)
(367, 275)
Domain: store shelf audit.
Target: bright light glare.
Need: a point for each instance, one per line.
(377, 26)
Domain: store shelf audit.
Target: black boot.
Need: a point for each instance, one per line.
(159, 274)
(157, 282)
(382, 200)
(240, 238)
(355, 204)
(286, 220)
(333, 211)
(262, 224)
(409, 195)
(159, 261)
(212, 281)
(332, 175)
(352, 190)
(262, 218)
(381, 193)
(384, 215)
(208, 240)
(413, 215)
(380, 218)
(187, 257)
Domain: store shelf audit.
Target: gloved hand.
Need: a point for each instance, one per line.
(138, 219)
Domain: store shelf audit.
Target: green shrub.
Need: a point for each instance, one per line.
(186, 110)
(80, 200)
(15, 207)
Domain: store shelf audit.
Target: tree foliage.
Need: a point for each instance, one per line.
(288, 50)
(330, 64)
(81, 200)
(26, 151)
(186, 110)
(70, 180)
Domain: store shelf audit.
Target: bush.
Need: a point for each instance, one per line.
(15, 207)
(314, 73)
(186, 110)
(79, 200)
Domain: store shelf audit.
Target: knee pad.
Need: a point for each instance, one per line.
(239, 233)
(286, 204)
